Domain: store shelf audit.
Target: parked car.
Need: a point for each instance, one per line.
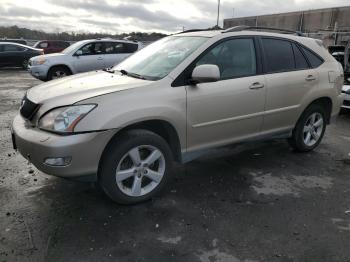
(51, 46)
(13, 54)
(346, 91)
(174, 100)
(18, 41)
(83, 56)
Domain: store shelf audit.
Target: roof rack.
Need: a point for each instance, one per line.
(246, 27)
(191, 30)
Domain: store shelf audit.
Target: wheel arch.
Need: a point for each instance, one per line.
(325, 102)
(161, 127)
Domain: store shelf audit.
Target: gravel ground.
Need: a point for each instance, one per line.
(252, 202)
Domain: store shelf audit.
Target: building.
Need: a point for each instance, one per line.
(332, 25)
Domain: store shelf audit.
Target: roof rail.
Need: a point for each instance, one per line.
(192, 30)
(246, 27)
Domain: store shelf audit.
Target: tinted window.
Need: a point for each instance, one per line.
(114, 48)
(131, 48)
(279, 55)
(300, 61)
(314, 60)
(92, 49)
(235, 58)
(12, 48)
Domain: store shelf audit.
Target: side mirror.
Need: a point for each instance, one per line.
(78, 53)
(205, 73)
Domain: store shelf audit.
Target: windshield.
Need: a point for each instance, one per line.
(160, 58)
(71, 48)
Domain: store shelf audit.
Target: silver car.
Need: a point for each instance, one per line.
(83, 56)
(174, 100)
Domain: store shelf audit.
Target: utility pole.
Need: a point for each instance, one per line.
(217, 20)
(233, 12)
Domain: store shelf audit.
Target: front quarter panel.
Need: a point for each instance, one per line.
(158, 101)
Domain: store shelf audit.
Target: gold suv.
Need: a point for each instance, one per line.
(173, 100)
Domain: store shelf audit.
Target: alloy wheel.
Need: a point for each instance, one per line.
(140, 170)
(58, 74)
(313, 129)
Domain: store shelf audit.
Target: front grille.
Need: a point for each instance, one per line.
(28, 108)
(346, 102)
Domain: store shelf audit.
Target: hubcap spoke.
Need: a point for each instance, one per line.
(125, 174)
(153, 175)
(135, 156)
(136, 186)
(312, 119)
(318, 123)
(154, 156)
(307, 138)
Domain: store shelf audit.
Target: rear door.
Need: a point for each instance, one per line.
(92, 57)
(289, 77)
(232, 108)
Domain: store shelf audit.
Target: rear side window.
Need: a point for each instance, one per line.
(279, 55)
(131, 48)
(315, 61)
(300, 61)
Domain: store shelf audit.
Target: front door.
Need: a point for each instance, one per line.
(92, 58)
(232, 108)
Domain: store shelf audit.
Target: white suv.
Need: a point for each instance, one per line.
(83, 56)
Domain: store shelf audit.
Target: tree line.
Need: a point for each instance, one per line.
(15, 32)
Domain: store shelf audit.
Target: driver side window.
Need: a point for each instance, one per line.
(235, 58)
(92, 49)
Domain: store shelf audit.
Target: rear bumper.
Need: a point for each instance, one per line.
(84, 150)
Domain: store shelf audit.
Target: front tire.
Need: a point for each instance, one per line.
(309, 129)
(135, 167)
(58, 72)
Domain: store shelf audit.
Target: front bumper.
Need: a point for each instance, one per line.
(39, 71)
(85, 150)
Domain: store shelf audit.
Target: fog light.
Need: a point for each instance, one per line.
(58, 161)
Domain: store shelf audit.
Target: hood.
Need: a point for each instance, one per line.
(69, 90)
(47, 56)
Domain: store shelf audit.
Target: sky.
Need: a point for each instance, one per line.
(119, 16)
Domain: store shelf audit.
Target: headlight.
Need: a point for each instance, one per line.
(39, 61)
(64, 119)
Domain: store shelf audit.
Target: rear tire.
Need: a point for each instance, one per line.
(309, 129)
(58, 72)
(135, 167)
(25, 64)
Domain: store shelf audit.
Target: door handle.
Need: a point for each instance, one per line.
(256, 85)
(100, 58)
(310, 78)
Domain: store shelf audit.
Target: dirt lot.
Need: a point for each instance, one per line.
(258, 202)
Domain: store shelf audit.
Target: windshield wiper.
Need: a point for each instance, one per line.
(124, 72)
